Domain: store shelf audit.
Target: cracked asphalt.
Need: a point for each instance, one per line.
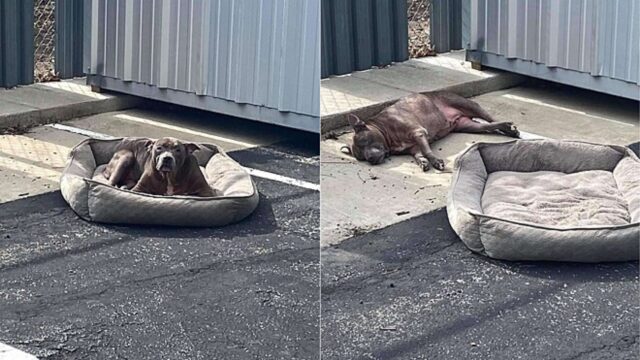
(71, 289)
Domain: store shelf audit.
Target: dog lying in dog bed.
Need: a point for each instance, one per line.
(547, 200)
(87, 189)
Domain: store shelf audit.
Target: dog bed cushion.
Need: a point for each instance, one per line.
(85, 189)
(547, 200)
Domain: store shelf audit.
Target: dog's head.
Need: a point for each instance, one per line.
(368, 142)
(169, 154)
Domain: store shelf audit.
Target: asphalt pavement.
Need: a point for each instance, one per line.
(72, 289)
(414, 291)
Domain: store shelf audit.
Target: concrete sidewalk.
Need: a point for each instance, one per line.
(358, 198)
(25, 106)
(367, 92)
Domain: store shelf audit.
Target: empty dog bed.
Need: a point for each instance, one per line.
(85, 189)
(547, 200)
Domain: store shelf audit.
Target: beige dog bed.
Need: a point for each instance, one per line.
(547, 200)
(85, 189)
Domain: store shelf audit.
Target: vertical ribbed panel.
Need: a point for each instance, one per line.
(259, 52)
(590, 36)
(16, 42)
(447, 21)
(360, 34)
(69, 42)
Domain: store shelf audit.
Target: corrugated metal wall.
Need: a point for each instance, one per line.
(359, 34)
(16, 42)
(248, 58)
(446, 25)
(69, 39)
(596, 41)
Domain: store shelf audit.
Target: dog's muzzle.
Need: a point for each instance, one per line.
(165, 162)
(375, 156)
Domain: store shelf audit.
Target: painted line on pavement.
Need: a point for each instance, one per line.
(183, 129)
(541, 103)
(253, 172)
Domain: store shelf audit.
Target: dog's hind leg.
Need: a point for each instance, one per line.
(467, 125)
(468, 107)
(119, 167)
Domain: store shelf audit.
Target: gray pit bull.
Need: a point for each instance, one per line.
(164, 167)
(409, 125)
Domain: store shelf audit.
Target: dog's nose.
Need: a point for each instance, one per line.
(166, 160)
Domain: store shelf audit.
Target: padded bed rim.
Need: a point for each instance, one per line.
(524, 223)
(197, 198)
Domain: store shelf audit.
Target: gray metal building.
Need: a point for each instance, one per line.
(253, 59)
(586, 43)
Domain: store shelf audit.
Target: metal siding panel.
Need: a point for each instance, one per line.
(592, 37)
(363, 34)
(326, 41)
(248, 41)
(309, 60)
(183, 54)
(16, 42)
(633, 61)
(263, 60)
(532, 41)
(622, 37)
(262, 53)
(146, 42)
(574, 34)
(383, 32)
(120, 37)
(196, 46)
(276, 68)
(503, 32)
(343, 36)
(492, 27)
(3, 82)
(292, 45)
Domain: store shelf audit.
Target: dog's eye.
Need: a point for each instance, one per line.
(177, 150)
(159, 148)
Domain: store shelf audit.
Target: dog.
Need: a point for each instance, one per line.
(410, 124)
(162, 167)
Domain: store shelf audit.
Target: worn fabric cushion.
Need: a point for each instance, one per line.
(85, 189)
(547, 200)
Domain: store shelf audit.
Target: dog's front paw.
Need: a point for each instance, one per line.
(438, 164)
(511, 130)
(423, 163)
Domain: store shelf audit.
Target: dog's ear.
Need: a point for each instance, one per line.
(345, 149)
(191, 147)
(148, 144)
(356, 123)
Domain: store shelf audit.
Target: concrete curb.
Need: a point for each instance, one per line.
(69, 111)
(468, 89)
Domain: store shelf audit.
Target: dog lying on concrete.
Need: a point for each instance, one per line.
(409, 125)
(164, 167)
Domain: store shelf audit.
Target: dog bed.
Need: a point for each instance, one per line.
(547, 200)
(85, 189)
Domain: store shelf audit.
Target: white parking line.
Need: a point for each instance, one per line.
(541, 103)
(84, 132)
(10, 353)
(253, 172)
(183, 130)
